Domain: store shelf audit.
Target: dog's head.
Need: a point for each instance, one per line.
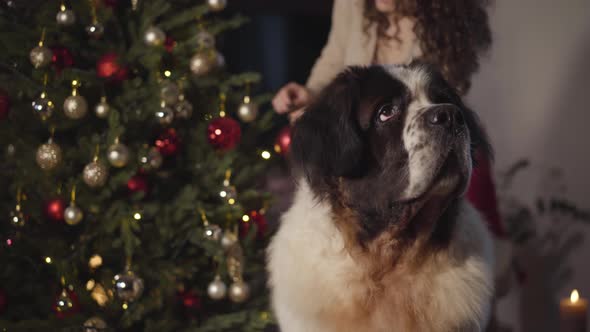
(388, 142)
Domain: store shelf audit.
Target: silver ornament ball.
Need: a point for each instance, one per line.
(248, 111)
(239, 291)
(169, 92)
(165, 115)
(73, 215)
(43, 106)
(95, 30)
(128, 286)
(94, 324)
(48, 156)
(151, 160)
(217, 5)
(154, 36)
(95, 174)
(64, 302)
(65, 17)
(40, 56)
(212, 232)
(102, 109)
(118, 155)
(217, 289)
(184, 109)
(75, 107)
(202, 63)
(228, 240)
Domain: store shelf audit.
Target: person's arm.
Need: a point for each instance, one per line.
(331, 60)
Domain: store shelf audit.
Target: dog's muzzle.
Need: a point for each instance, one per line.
(447, 117)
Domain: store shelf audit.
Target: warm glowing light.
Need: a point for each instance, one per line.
(218, 132)
(575, 296)
(231, 201)
(246, 218)
(167, 73)
(95, 261)
(125, 306)
(265, 155)
(90, 284)
(9, 242)
(223, 193)
(137, 216)
(48, 260)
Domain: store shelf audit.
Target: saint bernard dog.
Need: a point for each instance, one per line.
(379, 237)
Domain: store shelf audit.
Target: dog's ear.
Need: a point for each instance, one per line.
(480, 142)
(327, 140)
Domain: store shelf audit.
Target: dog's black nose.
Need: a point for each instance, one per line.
(445, 116)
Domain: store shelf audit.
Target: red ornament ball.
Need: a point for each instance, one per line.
(4, 105)
(109, 67)
(283, 141)
(138, 183)
(190, 300)
(168, 143)
(224, 133)
(256, 218)
(3, 301)
(62, 58)
(169, 44)
(54, 209)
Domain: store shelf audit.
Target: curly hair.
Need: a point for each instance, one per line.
(452, 33)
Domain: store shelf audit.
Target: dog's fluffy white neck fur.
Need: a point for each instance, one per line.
(318, 287)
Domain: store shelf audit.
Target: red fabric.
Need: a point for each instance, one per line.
(482, 194)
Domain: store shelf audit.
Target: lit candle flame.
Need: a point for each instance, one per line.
(575, 296)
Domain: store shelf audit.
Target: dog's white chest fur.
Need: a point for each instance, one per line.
(318, 287)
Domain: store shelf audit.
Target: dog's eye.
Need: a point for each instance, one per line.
(387, 112)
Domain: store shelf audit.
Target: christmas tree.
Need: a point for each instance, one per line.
(131, 165)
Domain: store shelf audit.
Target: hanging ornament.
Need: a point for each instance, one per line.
(128, 286)
(17, 217)
(217, 289)
(65, 17)
(43, 106)
(103, 108)
(118, 154)
(212, 232)
(137, 183)
(154, 36)
(168, 143)
(224, 133)
(94, 324)
(109, 67)
(98, 293)
(217, 5)
(66, 303)
(53, 209)
(40, 56)
(48, 155)
(248, 110)
(205, 40)
(75, 106)
(203, 62)
(62, 58)
(95, 174)
(228, 192)
(150, 159)
(4, 105)
(228, 240)
(239, 291)
(169, 44)
(183, 109)
(73, 215)
(95, 29)
(169, 92)
(190, 301)
(283, 141)
(164, 115)
(254, 218)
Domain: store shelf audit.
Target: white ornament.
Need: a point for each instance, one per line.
(217, 289)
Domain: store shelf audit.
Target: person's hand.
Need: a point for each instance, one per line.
(291, 97)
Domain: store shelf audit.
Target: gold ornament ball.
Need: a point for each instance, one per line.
(94, 324)
(48, 156)
(248, 112)
(44, 107)
(40, 56)
(65, 17)
(202, 63)
(128, 286)
(228, 240)
(64, 302)
(217, 289)
(95, 30)
(169, 92)
(73, 215)
(102, 109)
(17, 218)
(75, 107)
(217, 5)
(239, 291)
(183, 110)
(165, 116)
(95, 174)
(118, 155)
(154, 36)
(151, 160)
